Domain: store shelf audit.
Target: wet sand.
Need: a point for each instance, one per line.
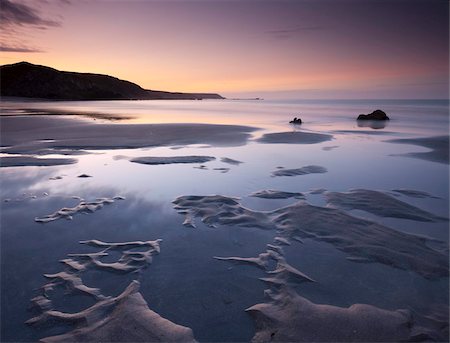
(439, 148)
(22, 161)
(298, 137)
(171, 160)
(278, 214)
(34, 134)
(300, 171)
(125, 318)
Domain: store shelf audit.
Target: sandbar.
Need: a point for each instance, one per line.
(152, 160)
(274, 194)
(23, 161)
(363, 239)
(439, 148)
(300, 171)
(297, 137)
(380, 204)
(31, 134)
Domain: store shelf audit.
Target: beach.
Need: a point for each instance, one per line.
(218, 221)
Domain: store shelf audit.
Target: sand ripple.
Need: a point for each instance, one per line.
(31, 134)
(125, 318)
(22, 161)
(219, 210)
(82, 207)
(230, 161)
(274, 194)
(414, 193)
(297, 137)
(380, 204)
(439, 148)
(289, 317)
(300, 171)
(172, 160)
(363, 240)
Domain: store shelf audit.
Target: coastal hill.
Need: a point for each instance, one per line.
(24, 79)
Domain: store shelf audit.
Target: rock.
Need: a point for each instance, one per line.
(296, 120)
(375, 115)
(84, 175)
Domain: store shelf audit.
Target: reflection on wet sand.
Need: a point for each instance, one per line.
(125, 318)
(286, 315)
(363, 240)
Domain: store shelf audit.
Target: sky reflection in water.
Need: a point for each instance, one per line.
(184, 283)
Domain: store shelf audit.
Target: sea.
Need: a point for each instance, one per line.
(184, 282)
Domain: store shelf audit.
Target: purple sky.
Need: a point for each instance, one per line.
(273, 49)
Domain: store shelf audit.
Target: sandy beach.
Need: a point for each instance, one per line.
(224, 171)
(258, 230)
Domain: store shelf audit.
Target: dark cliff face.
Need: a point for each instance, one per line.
(33, 81)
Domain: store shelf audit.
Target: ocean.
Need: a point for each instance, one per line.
(371, 208)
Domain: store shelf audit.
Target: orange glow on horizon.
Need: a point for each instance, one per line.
(261, 48)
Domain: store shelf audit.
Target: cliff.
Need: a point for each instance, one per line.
(34, 81)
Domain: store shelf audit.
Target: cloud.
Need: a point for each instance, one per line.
(7, 48)
(291, 32)
(21, 21)
(14, 13)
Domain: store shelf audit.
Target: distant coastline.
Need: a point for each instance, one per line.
(246, 99)
(28, 80)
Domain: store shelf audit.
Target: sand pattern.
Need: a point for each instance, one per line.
(289, 317)
(172, 160)
(329, 148)
(125, 318)
(82, 207)
(283, 273)
(223, 170)
(300, 171)
(30, 134)
(217, 210)
(414, 193)
(25, 197)
(39, 148)
(294, 137)
(363, 240)
(316, 191)
(230, 161)
(23, 161)
(274, 194)
(439, 148)
(381, 204)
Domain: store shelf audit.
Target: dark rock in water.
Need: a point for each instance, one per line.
(296, 120)
(84, 175)
(375, 115)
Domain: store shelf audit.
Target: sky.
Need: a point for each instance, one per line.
(334, 49)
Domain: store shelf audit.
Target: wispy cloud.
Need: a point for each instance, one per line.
(7, 48)
(20, 21)
(294, 31)
(15, 13)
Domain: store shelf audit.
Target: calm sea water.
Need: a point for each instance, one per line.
(413, 116)
(184, 283)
